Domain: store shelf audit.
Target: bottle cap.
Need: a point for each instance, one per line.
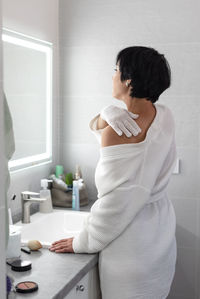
(21, 265)
(75, 183)
(59, 170)
(78, 174)
(44, 183)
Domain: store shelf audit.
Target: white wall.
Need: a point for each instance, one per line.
(40, 20)
(2, 179)
(91, 34)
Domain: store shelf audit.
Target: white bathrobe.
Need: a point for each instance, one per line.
(132, 224)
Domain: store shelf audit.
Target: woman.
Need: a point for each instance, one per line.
(132, 224)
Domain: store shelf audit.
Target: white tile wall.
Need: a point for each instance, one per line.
(91, 34)
(87, 70)
(185, 110)
(115, 22)
(183, 285)
(35, 18)
(85, 155)
(186, 185)
(187, 222)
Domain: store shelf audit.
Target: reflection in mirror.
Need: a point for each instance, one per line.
(28, 87)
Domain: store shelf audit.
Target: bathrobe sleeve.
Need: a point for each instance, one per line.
(94, 130)
(120, 197)
(116, 207)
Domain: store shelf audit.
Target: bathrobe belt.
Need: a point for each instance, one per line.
(157, 196)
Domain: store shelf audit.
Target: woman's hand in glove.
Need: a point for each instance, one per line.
(121, 120)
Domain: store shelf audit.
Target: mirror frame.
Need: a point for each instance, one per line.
(23, 40)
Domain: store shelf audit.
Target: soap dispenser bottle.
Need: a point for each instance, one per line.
(46, 206)
(75, 196)
(78, 173)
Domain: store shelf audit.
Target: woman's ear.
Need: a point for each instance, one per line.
(128, 82)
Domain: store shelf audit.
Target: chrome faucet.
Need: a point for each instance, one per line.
(27, 200)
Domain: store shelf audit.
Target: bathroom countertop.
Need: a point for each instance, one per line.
(55, 273)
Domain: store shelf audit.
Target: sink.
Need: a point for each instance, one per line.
(51, 227)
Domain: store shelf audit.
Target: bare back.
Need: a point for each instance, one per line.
(144, 121)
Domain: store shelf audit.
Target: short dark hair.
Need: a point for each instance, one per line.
(148, 70)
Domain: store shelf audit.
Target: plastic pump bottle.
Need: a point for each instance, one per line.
(46, 206)
(75, 196)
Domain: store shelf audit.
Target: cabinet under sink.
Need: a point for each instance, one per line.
(88, 287)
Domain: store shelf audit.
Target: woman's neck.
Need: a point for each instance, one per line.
(139, 105)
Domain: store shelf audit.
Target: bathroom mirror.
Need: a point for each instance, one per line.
(27, 66)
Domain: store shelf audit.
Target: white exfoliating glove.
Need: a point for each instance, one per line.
(121, 120)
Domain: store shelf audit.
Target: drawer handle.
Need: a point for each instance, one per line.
(80, 288)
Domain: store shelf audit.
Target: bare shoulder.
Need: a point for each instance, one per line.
(110, 137)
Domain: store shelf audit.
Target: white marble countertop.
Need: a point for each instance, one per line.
(56, 274)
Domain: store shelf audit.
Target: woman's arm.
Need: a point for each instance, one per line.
(117, 204)
(121, 120)
(109, 217)
(101, 124)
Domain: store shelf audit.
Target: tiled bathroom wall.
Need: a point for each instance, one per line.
(91, 34)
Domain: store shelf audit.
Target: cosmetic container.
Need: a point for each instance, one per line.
(46, 206)
(75, 196)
